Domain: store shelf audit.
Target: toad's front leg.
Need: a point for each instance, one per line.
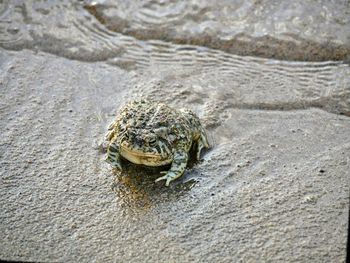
(177, 168)
(113, 156)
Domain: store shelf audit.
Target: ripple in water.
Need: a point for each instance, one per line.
(298, 30)
(209, 79)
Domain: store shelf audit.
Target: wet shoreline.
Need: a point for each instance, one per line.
(98, 31)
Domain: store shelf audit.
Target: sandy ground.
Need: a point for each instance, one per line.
(274, 186)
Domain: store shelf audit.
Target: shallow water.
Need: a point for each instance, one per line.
(274, 186)
(98, 30)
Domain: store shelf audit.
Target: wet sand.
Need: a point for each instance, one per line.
(273, 187)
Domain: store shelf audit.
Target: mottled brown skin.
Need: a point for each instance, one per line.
(154, 134)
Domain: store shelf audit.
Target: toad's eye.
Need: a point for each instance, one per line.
(152, 141)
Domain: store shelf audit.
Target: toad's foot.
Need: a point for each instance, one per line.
(169, 176)
(177, 168)
(114, 162)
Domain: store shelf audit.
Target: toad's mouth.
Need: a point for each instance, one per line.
(140, 157)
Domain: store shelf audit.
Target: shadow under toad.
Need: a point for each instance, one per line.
(135, 185)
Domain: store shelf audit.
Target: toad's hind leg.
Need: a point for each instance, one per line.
(113, 156)
(201, 143)
(177, 168)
